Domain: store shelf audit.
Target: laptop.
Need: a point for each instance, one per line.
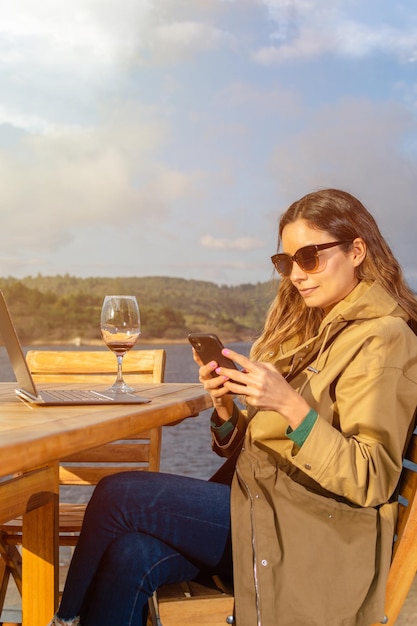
(27, 390)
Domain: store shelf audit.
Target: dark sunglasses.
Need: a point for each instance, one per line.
(307, 258)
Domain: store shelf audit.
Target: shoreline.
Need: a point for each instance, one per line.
(80, 342)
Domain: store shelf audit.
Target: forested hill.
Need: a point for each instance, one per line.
(67, 308)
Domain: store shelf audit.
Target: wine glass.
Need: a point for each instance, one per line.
(120, 329)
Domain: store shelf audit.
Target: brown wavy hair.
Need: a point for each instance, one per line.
(345, 218)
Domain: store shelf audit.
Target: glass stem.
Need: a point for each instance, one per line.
(119, 378)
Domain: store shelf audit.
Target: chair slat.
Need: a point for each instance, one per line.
(91, 475)
(113, 453)
(96, 366)
(412, 450)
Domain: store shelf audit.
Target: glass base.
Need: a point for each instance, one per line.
(120, 387)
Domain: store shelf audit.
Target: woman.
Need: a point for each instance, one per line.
(330, 389)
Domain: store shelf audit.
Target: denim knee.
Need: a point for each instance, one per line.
(144, 562)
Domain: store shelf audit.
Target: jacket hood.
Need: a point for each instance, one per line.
(368, 300)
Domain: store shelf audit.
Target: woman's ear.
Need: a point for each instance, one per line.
(358, 251)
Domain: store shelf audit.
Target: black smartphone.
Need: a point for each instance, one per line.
(209, 348)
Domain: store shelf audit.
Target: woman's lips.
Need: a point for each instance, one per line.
(307, 292)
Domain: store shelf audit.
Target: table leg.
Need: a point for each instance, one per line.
(35, 495)
(39, 565)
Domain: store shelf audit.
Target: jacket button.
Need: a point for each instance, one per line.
(264, 562)
(307, 466)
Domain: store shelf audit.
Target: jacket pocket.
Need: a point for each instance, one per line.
(328, 554)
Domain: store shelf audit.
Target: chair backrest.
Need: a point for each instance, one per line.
(95, 366)
(404, 560)
(407, 491)
(139, 452)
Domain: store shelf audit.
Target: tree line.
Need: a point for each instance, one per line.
(67, 308)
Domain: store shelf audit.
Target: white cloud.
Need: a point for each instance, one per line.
(67, 180)
(56, 59)
(304, 30)
(242, 243)
(81, 33)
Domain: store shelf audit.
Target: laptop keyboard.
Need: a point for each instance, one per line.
(71, 394)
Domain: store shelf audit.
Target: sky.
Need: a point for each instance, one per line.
(166, 137)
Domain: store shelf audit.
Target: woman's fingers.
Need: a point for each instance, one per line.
(238, 358)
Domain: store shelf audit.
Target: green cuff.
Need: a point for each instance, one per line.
(223, 430)
(300, 434)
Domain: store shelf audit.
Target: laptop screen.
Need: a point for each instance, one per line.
(14, 349)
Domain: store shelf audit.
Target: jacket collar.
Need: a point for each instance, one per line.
(368, 300)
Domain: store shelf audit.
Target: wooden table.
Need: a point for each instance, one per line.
(34, 438)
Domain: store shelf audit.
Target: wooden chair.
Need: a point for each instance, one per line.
(140, 452)
(208, 603)
(212, 604)
(404, 559)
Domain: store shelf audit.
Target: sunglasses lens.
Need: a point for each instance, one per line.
(283, 264)
(307, 258)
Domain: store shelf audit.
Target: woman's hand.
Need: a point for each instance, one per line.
(264, 387)
(222, 400)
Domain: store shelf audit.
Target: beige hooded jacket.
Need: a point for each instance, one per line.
(312, 527)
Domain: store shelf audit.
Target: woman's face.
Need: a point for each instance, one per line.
(336, 276)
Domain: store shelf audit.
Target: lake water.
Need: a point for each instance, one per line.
(186, 447)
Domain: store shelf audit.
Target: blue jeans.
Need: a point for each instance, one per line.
(142, 530)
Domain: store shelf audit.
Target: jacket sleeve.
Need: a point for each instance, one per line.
(355, 447)
(225, 446)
